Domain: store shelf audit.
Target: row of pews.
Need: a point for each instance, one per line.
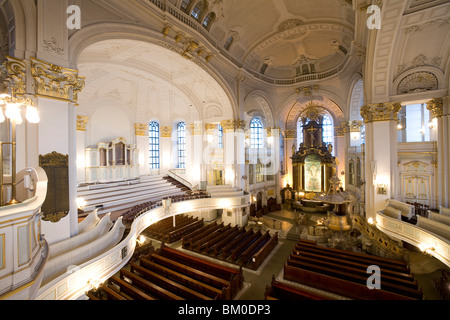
(247, 248)
(282, 291)
(271, 206)
(169, 231)
(170, 274)
(132, 213)
(345, 273)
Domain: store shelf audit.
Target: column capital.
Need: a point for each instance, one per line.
(141, 129)
(436, 107)
(233, 125)
(82, 121)
(290, 134)
(166, 132)
(196, 128)
(387, 111)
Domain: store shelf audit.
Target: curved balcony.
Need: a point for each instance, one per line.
(427, 241)
(73, 285)
(23, 251)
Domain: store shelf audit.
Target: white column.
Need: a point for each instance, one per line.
(380, 154)
(142, 144)
(290, 141)
(166, 149)
(240, 155)
(229, 151)
(81, 148)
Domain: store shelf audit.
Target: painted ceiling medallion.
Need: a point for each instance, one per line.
(418, 82)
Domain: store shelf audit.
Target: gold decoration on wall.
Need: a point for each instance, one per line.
(436, 107)
(380, 111)
(210, 128)
(82, 121)
(355, 126)
(196, 128)
(141, 129)
(241, 124)
(166, 132)
(341, 130)
(313, 112)
(228, 125)
(290, 134)
(56, 205)
(56, 82)
(14, 73)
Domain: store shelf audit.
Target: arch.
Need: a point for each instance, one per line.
(356, 101)
(209, 20)
(294, 106)
(93, 34)
(256, 103)
(199, 10)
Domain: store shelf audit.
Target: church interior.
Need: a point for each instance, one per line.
(224, 150)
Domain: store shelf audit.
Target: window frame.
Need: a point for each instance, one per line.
(181, 145)
(154, 145)
(256, 133)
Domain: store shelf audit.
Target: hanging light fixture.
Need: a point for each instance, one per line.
(11, 103)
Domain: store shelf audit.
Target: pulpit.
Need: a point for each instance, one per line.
(312, 163)
(112, 161)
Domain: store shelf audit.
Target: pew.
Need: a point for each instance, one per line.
(282, 291)
(203, 243)
(260, 255)
(110, 293)
(168, 284)
(338, 282)
(130, 290)
(236, 252)
(185, 241)
(226, 251)
(176, 235)
(224, 234)
(190, 282)
(219, 246)
(148, 286)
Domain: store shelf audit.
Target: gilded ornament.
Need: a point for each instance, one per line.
(436, 107)
(166, 132)
(82, 121)
(141, 129)
(380, 111)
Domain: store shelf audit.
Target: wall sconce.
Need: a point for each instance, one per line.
(371, 221)
(426, 249)
(382, 188)
(399, 126)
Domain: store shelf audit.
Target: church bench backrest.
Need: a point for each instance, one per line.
(407, 210)
(393, 213)
(445, 211)
(130, 290)
(436, 227)
(439, 217)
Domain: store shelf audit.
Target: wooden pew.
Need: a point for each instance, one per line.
(254, 247)
(358, 257)
(195, 240)
(262, 254)
(282, 291)
(191, 272)
(203, 243)
(217, 248)
(149, 287)
(130, 290)
(91, 296)
(236, 253)
(387, 283)
(176, 235)
(110, 293)
(224, 233)
(336, 281)
(185, 241)
(190, 282)
(226, 251)
(233, 275)
(168, 284)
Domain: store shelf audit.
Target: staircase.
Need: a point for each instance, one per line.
(116, 196)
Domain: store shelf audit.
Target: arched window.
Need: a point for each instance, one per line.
(181, 144)
(198, 10)
(299, 132)
(153, 135)
(229, 43)
(328, 134)
(256, 133)
(209, 19)
(185, 5)
(264, 68)
(220, 136)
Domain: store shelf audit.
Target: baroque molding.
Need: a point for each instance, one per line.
(82, 121)
(380, 112)
(290, 134)
(436, 107)
(55, 81)
(141, 129)
(419, 81)
(13, 73)
(420, 61)
(53, 46)
(166, 132)
(416, 28)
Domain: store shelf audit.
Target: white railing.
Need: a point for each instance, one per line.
(73, 284)
(425, 240)
(23, 252)
(175, 174)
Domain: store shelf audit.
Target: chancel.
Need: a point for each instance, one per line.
(224, 150)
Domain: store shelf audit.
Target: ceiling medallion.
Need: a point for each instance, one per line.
(418, 82)
(290, 24)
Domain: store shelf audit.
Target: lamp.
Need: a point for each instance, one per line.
(12, 105)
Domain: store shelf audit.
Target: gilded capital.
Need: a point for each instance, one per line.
(196, 128)
(13, 74)
(341, 130)
(380, 111)
(436, 107)
(210, 128)
(228, 125)
(166, 132)
(141, 129)
(82, 121)
(56, 82)
(290, 134)
(355, 126)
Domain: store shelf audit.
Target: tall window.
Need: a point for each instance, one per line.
(181, 142)
(207, 22)
(185, 5)
(328, 134)
(220, 136)
(229, 43)
(256, 133)
(153, 134)
(299, 132)
(197, 12)
(414, 120)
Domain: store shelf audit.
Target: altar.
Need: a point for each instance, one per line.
(313, 163)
